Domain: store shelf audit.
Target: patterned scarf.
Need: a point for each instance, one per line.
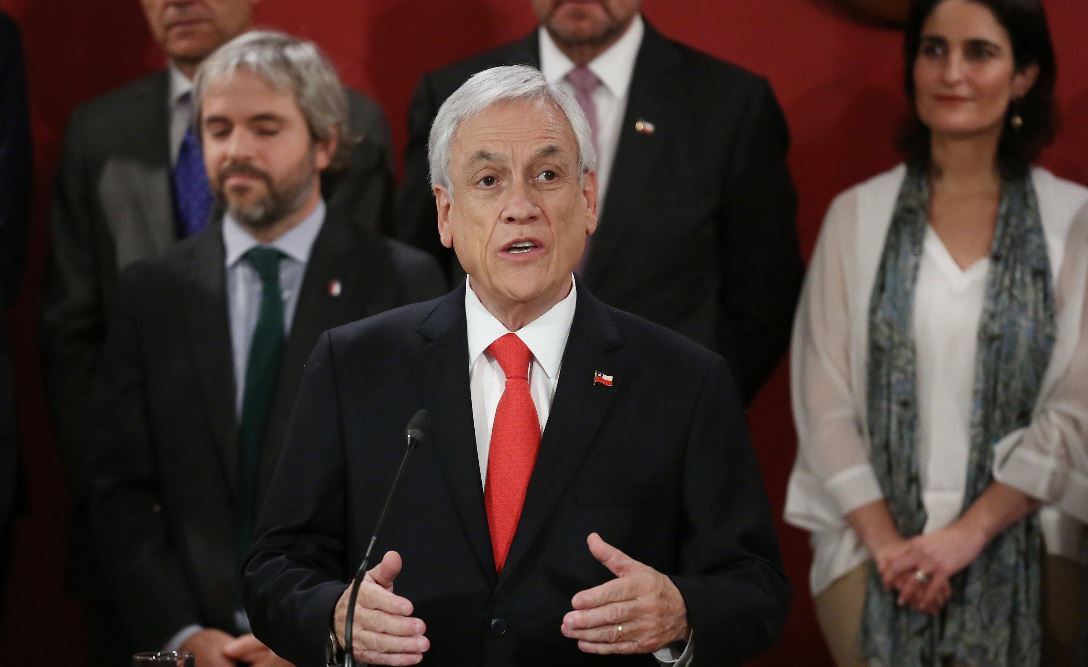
(993, 616)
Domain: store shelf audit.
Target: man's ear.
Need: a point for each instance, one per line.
(325, 149)
(589, 192)
(443, 203)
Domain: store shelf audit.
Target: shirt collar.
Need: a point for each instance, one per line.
(297, 243)
(546, 336)
(180, 85)
(615, 67)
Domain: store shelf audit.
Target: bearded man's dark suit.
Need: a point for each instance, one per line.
(697, 230)
(165, 456)
(659, 464)
(113, 205)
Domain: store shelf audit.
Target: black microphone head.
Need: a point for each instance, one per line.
(418, 427)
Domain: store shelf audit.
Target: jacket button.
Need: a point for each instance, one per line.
(498, 627)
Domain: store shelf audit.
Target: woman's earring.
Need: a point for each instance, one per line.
(1016, 121)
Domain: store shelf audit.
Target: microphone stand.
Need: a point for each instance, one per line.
(415, 434)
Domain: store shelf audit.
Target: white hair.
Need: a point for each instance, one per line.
(497, 85)
(287, 64)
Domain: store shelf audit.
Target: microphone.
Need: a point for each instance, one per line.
(416, 432)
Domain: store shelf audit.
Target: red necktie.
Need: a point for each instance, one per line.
(515, 439)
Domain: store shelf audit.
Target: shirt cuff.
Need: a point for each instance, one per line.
(854, 487)
(1045, 479)
(677, 653)
(181, 636)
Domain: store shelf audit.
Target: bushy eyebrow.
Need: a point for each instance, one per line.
(483, 156)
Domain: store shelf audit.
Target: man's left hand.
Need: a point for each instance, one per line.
(640, 611)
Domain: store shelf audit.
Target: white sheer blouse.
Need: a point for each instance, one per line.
(1048, 459)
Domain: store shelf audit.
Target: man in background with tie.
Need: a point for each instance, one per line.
(586, 493)
(131, 183)
(697, 207)
(202, 360)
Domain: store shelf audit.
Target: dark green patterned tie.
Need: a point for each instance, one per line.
(262, 367)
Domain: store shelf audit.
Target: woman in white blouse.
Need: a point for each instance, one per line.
(940, 368)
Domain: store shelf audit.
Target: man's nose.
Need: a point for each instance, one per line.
(521, 204)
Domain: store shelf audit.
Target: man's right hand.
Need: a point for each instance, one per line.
(207, 646)
(384, 632)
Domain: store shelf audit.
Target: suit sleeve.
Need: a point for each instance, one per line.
(145, 576)
(296, 569)
(731, 575)
(72, 319)
(416, 218)
(761, 261)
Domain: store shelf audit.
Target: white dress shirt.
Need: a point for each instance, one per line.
(615, 68)
(181, 109)
(947, 309)
(546, 338)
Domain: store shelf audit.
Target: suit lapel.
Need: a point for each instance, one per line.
(441, 371)
(578, 411)
(208, 323)
(637, 152)
(360, 268)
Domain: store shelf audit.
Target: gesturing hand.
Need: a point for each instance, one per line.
(639, 611)
(384, 633)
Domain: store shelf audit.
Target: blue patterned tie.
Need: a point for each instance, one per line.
(191, 191)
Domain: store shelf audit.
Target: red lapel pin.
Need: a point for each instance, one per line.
(602, 379)
(335, 287)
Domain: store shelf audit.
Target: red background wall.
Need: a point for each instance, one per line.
(838, 80)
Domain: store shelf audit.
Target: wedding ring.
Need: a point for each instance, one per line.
(619, 632)
(921, 576)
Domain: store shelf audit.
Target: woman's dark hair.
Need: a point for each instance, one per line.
(1025, 22)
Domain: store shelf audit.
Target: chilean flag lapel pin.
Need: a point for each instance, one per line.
(602, 379)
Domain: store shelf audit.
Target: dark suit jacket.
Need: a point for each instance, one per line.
(113, 205)
(697, 231)
(164, 462)
(659, 464)
(14, 196)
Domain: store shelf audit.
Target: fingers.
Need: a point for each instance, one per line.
(592, 623)
(386, 571)
(617, 562)
(384, 632)
(616, 590)
(638, 612)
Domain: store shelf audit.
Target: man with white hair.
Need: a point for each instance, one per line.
(203, 358)
(587, 493)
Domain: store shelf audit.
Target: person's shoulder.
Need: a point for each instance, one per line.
(102, 115)
(659, 348)
(699, 66)
(388, 335)
(1051, 187)
(148, 84)
(450, 76)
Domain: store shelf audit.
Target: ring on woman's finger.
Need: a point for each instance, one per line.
(921, 576)
(619, 632)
